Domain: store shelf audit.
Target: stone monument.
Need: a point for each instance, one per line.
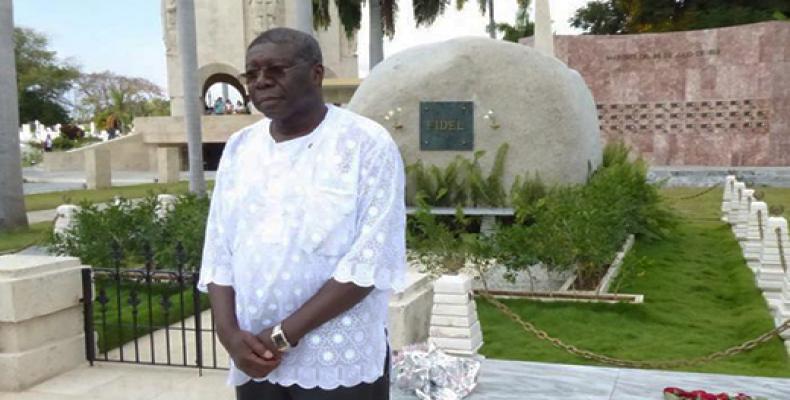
(735, 205)
(467, 94)
(225, 28)
(729, 188)
(755, 232)
(742, 224)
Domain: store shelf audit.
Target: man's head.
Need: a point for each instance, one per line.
(284, 72)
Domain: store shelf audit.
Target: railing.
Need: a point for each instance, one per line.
(147, 315)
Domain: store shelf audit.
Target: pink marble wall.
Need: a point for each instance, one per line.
(710, 97)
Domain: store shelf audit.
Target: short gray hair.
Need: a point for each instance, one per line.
(307, 48)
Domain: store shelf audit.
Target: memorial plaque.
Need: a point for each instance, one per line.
(447, 125)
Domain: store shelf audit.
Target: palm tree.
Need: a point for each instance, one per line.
(12, 199)
(522, 28)
(382, 14)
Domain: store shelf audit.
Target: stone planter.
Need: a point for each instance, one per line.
(455, 328)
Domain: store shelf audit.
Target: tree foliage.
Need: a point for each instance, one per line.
(350, 11)
(105, 93)
(636, 16)
(522, 28)
(42, 79)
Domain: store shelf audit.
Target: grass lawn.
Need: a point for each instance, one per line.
(108, 328)
(20, 238)
(48, 201)
(700, 297)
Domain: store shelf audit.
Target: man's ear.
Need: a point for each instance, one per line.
(317, 75)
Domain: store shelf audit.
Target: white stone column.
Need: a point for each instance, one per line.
(193, 102)
(735, 204)
(300, 15)
(98, 173)
(168, 164)
(455, 328)
(41, 319)
(375, 34)
(742, 223)
(756, 228)
(544, 35)
(729, 189)
(770, 276)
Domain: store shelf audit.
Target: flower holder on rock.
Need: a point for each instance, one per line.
(455, 328)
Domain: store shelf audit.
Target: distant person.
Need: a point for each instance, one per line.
(219, 106)
(228, 107)
(48, 143)
(240, 109)
(112, 125)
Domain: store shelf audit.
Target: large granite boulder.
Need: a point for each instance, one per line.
(536, 104)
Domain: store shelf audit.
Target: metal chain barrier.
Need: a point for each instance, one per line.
(589, 355)
(760, 224)
(781, 249)
(694, 196)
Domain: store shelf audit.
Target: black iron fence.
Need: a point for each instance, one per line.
(149, 315)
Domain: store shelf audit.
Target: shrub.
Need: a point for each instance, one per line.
(575, 226)
(134, 226)
(583, 226)
(461, 183)
(442, 244)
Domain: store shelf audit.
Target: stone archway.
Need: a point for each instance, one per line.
(221, 73)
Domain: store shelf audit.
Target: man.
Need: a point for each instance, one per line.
(305, 239)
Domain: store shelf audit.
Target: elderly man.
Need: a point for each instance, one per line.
(305, 239)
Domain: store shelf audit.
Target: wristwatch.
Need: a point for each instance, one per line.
(279, 339)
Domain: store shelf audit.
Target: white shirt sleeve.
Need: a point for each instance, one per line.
(216, 261)
(377, 255)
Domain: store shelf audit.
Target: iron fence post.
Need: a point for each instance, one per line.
(198, 327)
(87, 305)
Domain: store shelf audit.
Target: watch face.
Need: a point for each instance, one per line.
(279, 341)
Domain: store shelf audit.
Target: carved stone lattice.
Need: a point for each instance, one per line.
(690, 117)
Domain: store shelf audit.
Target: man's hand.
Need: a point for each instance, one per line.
(250, 355)
(266, 338)
(247, 351)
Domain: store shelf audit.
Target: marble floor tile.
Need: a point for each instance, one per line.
(647, 384)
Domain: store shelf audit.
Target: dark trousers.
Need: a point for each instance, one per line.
(378, 390)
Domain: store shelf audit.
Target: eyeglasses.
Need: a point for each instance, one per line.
(272, 71)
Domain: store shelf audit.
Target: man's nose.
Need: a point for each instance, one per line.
(264, 82)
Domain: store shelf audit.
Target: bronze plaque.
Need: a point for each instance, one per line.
(447, 125)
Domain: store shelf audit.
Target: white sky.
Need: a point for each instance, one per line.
(454, 23)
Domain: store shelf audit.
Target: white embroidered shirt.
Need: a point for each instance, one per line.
(287, 217)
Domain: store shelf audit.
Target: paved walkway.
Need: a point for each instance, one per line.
(37, 180)
(499, 380)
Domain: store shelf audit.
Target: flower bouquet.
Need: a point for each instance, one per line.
(673, 393)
